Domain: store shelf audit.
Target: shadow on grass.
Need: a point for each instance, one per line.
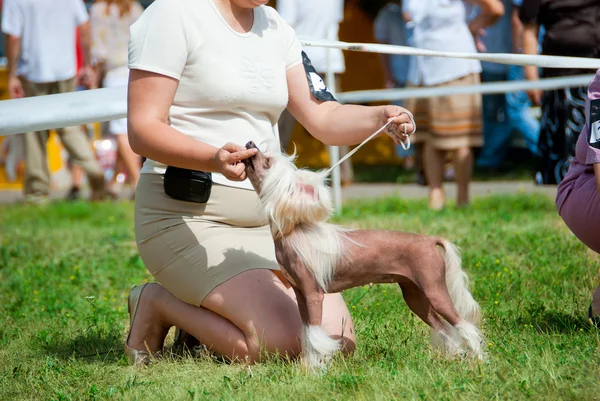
(547, 321)
(88, 345)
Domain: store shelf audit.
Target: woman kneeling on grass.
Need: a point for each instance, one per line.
(578, 197)
(207, 77)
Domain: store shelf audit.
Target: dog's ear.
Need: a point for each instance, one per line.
(291, 196)
(312, 197)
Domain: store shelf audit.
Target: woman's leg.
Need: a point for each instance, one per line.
(433, 164)
(250, 313)
(596, 302)
(463, 170)
(581, 213)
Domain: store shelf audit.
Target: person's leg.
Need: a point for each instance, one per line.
(337, 321)
(110, 190)
(37, 173)
(77, 173)
(581, 213)
(130, 159)
(596, 302)
(346, 169)
(433, 164)
(463, 170)
(251, 313)
(81, 152)
(496, 131)
(79, 147)
(77, 176)
(518, 112)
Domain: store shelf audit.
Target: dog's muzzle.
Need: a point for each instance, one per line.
(248, 162)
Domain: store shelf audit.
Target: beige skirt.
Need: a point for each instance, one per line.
(191, 248)
(449, 122)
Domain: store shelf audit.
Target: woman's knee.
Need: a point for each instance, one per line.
(338, 323)
(278, 339)
(581, 211)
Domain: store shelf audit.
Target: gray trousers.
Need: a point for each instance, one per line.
(37, 173)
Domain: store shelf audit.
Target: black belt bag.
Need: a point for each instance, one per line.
(187, 185)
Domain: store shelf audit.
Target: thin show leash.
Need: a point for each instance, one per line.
(405, 143)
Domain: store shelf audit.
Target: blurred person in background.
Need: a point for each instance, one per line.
(504, 113)
(451, 123)
(390, 28)
(41, 61)
(77, 172)
(316, 19)
(1, 36)
(571, 30)
(110, 21)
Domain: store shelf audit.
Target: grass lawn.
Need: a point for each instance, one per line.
(66, 269)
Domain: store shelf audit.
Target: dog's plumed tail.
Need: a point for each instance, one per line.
(466, 331)
(317, 347)
(458, 285)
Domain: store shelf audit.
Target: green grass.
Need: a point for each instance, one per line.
(65, 271)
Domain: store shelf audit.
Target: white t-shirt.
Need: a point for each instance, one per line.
(439, 25)
(316, 19)
(232, 86)
(47, 32)
(110, 33)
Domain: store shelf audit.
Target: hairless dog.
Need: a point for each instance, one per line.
(318, 257)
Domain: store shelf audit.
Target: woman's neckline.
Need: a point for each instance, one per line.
(250, 32)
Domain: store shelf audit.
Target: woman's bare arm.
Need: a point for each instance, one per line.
(490, 11)
(149, 98)
(335, 124)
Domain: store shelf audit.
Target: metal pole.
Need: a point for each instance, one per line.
(334, 151)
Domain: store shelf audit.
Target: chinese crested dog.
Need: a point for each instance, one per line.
(318, 258)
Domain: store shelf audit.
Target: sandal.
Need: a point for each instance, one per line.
(136, 357)
(595, 320)
(185, 342)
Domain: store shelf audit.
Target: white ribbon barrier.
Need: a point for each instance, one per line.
(502, 58)
(76, 108)
(484, 88)
(70, 109)
(62, 110)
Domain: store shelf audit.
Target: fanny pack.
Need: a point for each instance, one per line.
(187, 185)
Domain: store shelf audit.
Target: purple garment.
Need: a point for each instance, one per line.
(577, 198)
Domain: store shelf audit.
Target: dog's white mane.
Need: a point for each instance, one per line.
(298, 204)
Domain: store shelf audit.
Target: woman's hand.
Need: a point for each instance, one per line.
(228, 161)
(402, 123)
(336, 124)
